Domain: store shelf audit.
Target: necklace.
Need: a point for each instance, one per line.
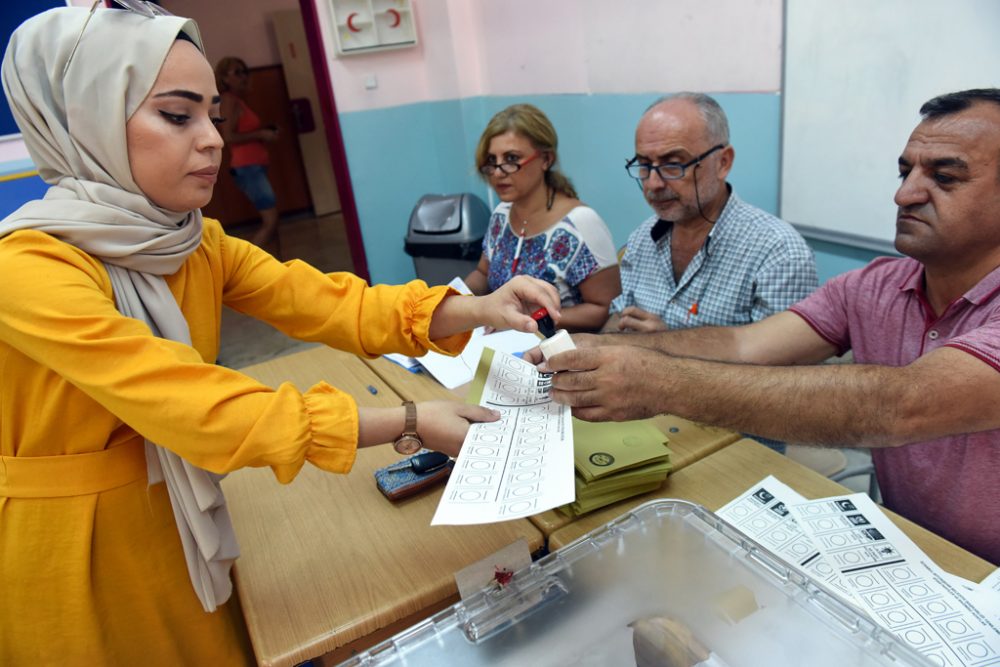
(513, 215)
(520, 246)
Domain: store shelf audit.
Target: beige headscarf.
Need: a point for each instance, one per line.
(74, 128)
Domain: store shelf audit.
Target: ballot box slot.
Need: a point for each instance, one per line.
(493, 611)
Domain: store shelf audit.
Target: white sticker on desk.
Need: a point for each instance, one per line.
(897, 584)
(517, 466)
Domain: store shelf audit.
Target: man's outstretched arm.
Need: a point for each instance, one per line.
(945, 392)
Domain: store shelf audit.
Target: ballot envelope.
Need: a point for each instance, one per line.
(668, 576)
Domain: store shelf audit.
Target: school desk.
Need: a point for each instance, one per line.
(327, 563)
(724, 475)
(689, 442)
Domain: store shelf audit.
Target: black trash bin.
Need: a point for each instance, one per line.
(445, 236)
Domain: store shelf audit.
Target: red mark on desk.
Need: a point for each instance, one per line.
(502, 576)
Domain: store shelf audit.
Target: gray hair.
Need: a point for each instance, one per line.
(716, 124)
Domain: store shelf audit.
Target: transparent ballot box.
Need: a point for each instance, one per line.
(668, 584)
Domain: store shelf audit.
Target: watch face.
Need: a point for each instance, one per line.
(407, 445)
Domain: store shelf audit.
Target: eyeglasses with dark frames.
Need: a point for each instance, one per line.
(506, 167)
(670, 171)
(142, 7)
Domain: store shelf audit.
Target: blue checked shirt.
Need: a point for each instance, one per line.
(752, 265)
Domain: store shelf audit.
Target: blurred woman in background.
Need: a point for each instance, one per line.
(247, 138)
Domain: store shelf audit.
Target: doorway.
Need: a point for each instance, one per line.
(308, 170)
(323, 233)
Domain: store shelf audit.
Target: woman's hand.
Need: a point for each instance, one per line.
(442, 425)
(510, 307)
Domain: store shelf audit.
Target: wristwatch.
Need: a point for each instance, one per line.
(409, 442)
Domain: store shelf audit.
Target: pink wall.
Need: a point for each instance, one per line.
(230, 27)
(466, 49)
(238, 28)
(427, 71)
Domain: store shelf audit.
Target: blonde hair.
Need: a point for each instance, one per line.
(529, 122)
(222, 69)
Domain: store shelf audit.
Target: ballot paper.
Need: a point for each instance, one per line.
(897, 584)
(455, 371)
(517, 466)
(986, 595)
(762, 513)
(848, 544)
(992, 582)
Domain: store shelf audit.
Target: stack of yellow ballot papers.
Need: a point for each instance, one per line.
(615, 461)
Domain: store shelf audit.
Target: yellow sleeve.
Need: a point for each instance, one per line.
(58, 311)
(338, 309)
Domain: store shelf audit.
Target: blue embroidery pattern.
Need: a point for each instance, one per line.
(557, 254)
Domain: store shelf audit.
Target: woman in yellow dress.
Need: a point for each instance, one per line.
(115, 423)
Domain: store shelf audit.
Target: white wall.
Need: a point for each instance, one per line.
(857, 74)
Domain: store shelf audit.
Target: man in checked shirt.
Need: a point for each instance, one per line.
(924, 330)
(706, 258)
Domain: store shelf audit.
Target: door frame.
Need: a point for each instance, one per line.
(334, 137)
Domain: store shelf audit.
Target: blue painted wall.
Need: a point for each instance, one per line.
(395, 156)
(399, 154)
(16, 191)
(833, 258)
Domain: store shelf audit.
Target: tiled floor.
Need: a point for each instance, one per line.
(323, 243)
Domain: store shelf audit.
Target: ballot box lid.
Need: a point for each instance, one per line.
(668, 576)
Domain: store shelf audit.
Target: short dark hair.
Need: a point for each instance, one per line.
(951, 103)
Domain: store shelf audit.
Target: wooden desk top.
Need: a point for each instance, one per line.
(411, 386)
(717, 479)
(689, 442)
(327, 560)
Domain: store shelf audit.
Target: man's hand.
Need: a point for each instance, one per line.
(636, 320)
(442, 425)
(608, 383)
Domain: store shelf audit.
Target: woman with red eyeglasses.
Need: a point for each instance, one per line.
(540, 228)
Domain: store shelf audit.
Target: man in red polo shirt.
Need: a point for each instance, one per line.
(924, 391)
